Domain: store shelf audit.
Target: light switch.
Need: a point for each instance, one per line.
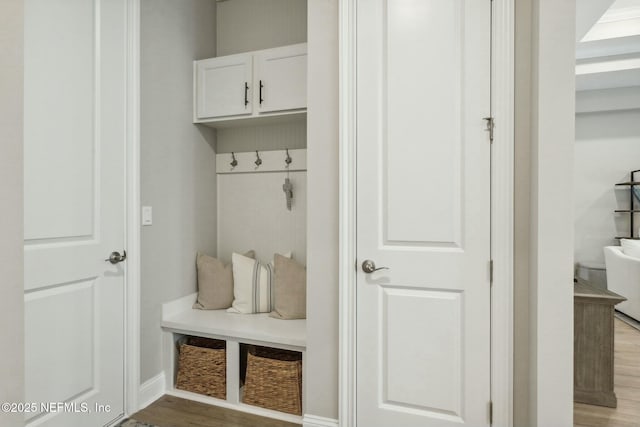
(147, 215)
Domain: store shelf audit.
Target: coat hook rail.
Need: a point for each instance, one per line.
(262, 161)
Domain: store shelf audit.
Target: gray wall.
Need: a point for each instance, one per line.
(11, 222)
(322, 198)
(246, 25)
(177, 161)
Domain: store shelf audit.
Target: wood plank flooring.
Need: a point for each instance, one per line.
(170, 411)
(626, 385)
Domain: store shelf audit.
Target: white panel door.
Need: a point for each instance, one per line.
(423, 211)
(75, 130)
(282, 78)
(224, 86)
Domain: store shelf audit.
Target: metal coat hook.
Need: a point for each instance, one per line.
(288, 159)
(258, 161)
(234, 162)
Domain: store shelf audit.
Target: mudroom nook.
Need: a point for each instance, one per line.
(250, 104)
(237, 338)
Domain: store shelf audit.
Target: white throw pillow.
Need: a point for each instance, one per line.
(630, 247)
(252, 285)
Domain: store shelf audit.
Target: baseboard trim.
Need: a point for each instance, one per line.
(316, 421)
(151, 390)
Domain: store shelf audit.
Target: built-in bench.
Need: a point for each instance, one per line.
(180, 319)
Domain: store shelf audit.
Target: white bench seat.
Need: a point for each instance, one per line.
(179, 317)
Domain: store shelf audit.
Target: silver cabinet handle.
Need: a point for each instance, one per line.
(369, 266)
(115, 257)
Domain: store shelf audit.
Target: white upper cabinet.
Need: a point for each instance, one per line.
(252, 86)
(282, 78)
(223, 86)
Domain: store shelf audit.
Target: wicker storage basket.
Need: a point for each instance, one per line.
(202, 367)
(274, 380)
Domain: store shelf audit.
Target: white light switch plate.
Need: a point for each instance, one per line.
(147, 215)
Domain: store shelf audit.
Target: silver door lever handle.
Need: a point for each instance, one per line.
(115, 257)
(369, 266)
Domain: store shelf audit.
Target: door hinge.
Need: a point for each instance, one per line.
(489, 128)
(491, 272)
(490, 412)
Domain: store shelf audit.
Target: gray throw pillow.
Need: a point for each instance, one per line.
(215, 282)
(290, 289)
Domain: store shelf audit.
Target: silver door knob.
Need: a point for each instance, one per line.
(115, 257)
(369, 266)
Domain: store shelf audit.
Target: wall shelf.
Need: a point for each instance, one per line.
(632, 211)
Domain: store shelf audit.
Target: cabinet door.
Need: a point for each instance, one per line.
(223, 86)
(282, 78)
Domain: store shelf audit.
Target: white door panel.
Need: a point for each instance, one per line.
(59, 116)
(75, 109)
(423, 181)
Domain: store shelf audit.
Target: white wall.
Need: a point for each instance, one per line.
(551, 214)
(607, 147)
(322, 231)
(177, 161)
(11, 200)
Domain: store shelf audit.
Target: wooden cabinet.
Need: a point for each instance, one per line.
(593, 344)
(255, 85)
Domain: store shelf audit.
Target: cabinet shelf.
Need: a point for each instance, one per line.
(629, 183)
(627, 210)
(270, 118)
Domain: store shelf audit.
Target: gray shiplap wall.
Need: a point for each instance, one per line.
(252, 214)
(264, 137)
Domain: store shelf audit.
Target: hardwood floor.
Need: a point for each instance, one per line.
(626, 385)
(170, 411)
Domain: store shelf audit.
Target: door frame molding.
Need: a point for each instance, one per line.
(502, 215)
(132, 220)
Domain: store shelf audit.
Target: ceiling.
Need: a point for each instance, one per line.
(607, 44)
